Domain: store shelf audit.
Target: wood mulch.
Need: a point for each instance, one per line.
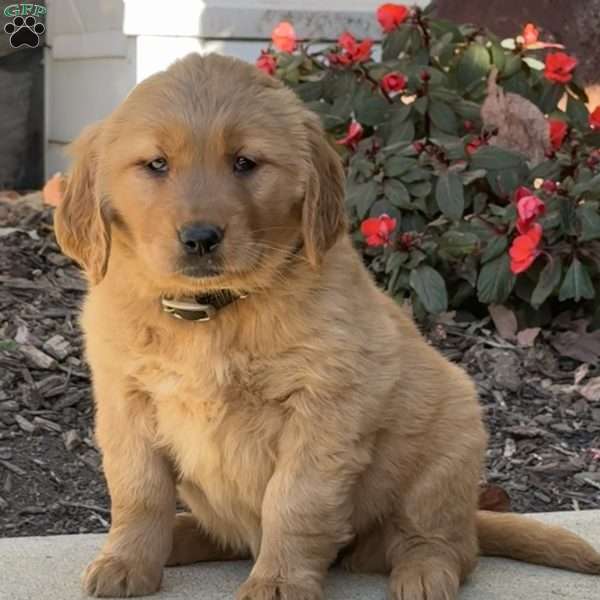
(542, 406)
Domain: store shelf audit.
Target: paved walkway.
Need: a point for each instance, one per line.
(48, 568)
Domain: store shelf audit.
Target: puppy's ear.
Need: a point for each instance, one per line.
(80, 224)
(323, 213)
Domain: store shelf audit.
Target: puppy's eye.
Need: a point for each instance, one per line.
(158, 165)
(243, 165)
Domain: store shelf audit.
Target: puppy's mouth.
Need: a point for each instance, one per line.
(199, 269)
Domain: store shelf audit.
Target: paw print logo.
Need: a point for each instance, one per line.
(24, 32)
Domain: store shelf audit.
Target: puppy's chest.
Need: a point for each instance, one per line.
(220, 421)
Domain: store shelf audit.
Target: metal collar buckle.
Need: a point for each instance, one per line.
(188, 310)
(193, 310)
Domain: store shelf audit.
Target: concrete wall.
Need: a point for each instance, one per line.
(99, 49)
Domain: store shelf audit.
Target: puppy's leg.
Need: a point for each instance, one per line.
(192, 544)
(307, 508)
(142, 491)
(432, 544)
(367, 554)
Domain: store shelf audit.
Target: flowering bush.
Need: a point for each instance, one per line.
(443, 212)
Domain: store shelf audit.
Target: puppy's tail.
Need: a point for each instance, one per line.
(522, 538)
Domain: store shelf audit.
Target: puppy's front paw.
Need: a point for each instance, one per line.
(269, 589)
(429, 581)
(114, 576)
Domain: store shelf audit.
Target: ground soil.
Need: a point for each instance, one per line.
(544, 423)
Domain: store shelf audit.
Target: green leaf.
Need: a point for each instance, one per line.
(361, 197)
(568, 216)
(342, 107)
(534, 63)
(395, 260)
(430, 288)
(400, 136)
(416, 174)
(325, 111)
(310, 90)
(397, 165)
(443, 117)
(506, 181)
(361, 166)
(337, 84)
(371, 110)
(457, 244)
(586, 186)
(592, 138)
(468, 110)
(495, 281)
(420, 189)
(512, 65)
(498, 56)
(589, 219)
(548, 281)
(579, 92)
(471, 176)
(550, 97)
(397, 194)
(548, 169)
(396, 42)
(495, 158)
(578, 113)
(577, 283)
(474, 65)
(449, 194)
(496, 247)
(442, 44)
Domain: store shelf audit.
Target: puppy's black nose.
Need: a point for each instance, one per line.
(200, 238)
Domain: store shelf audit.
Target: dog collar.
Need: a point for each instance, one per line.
(199, 308)
(205, 306)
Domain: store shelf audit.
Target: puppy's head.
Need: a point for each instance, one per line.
(207, 174)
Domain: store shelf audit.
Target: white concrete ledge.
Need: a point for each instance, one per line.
(48, 568)
(250, 19)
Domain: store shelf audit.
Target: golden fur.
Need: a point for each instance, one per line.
(306, 422)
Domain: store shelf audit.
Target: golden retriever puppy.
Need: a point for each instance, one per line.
(243, 358)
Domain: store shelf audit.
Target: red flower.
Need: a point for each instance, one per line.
(521, 192)
(284, 37)
(377, 230)
(530, 34)
(354, 135)
(529, 209)
(474, 145)
(353, 52)
(266, 62)
(524, 249)
(559, 66)
(595, 118)
(406, 241)
(549, 186)
(348, 42)
(393, 82)
(391, 15)
(558, 131)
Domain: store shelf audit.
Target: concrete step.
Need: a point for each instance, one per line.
(49, 568)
